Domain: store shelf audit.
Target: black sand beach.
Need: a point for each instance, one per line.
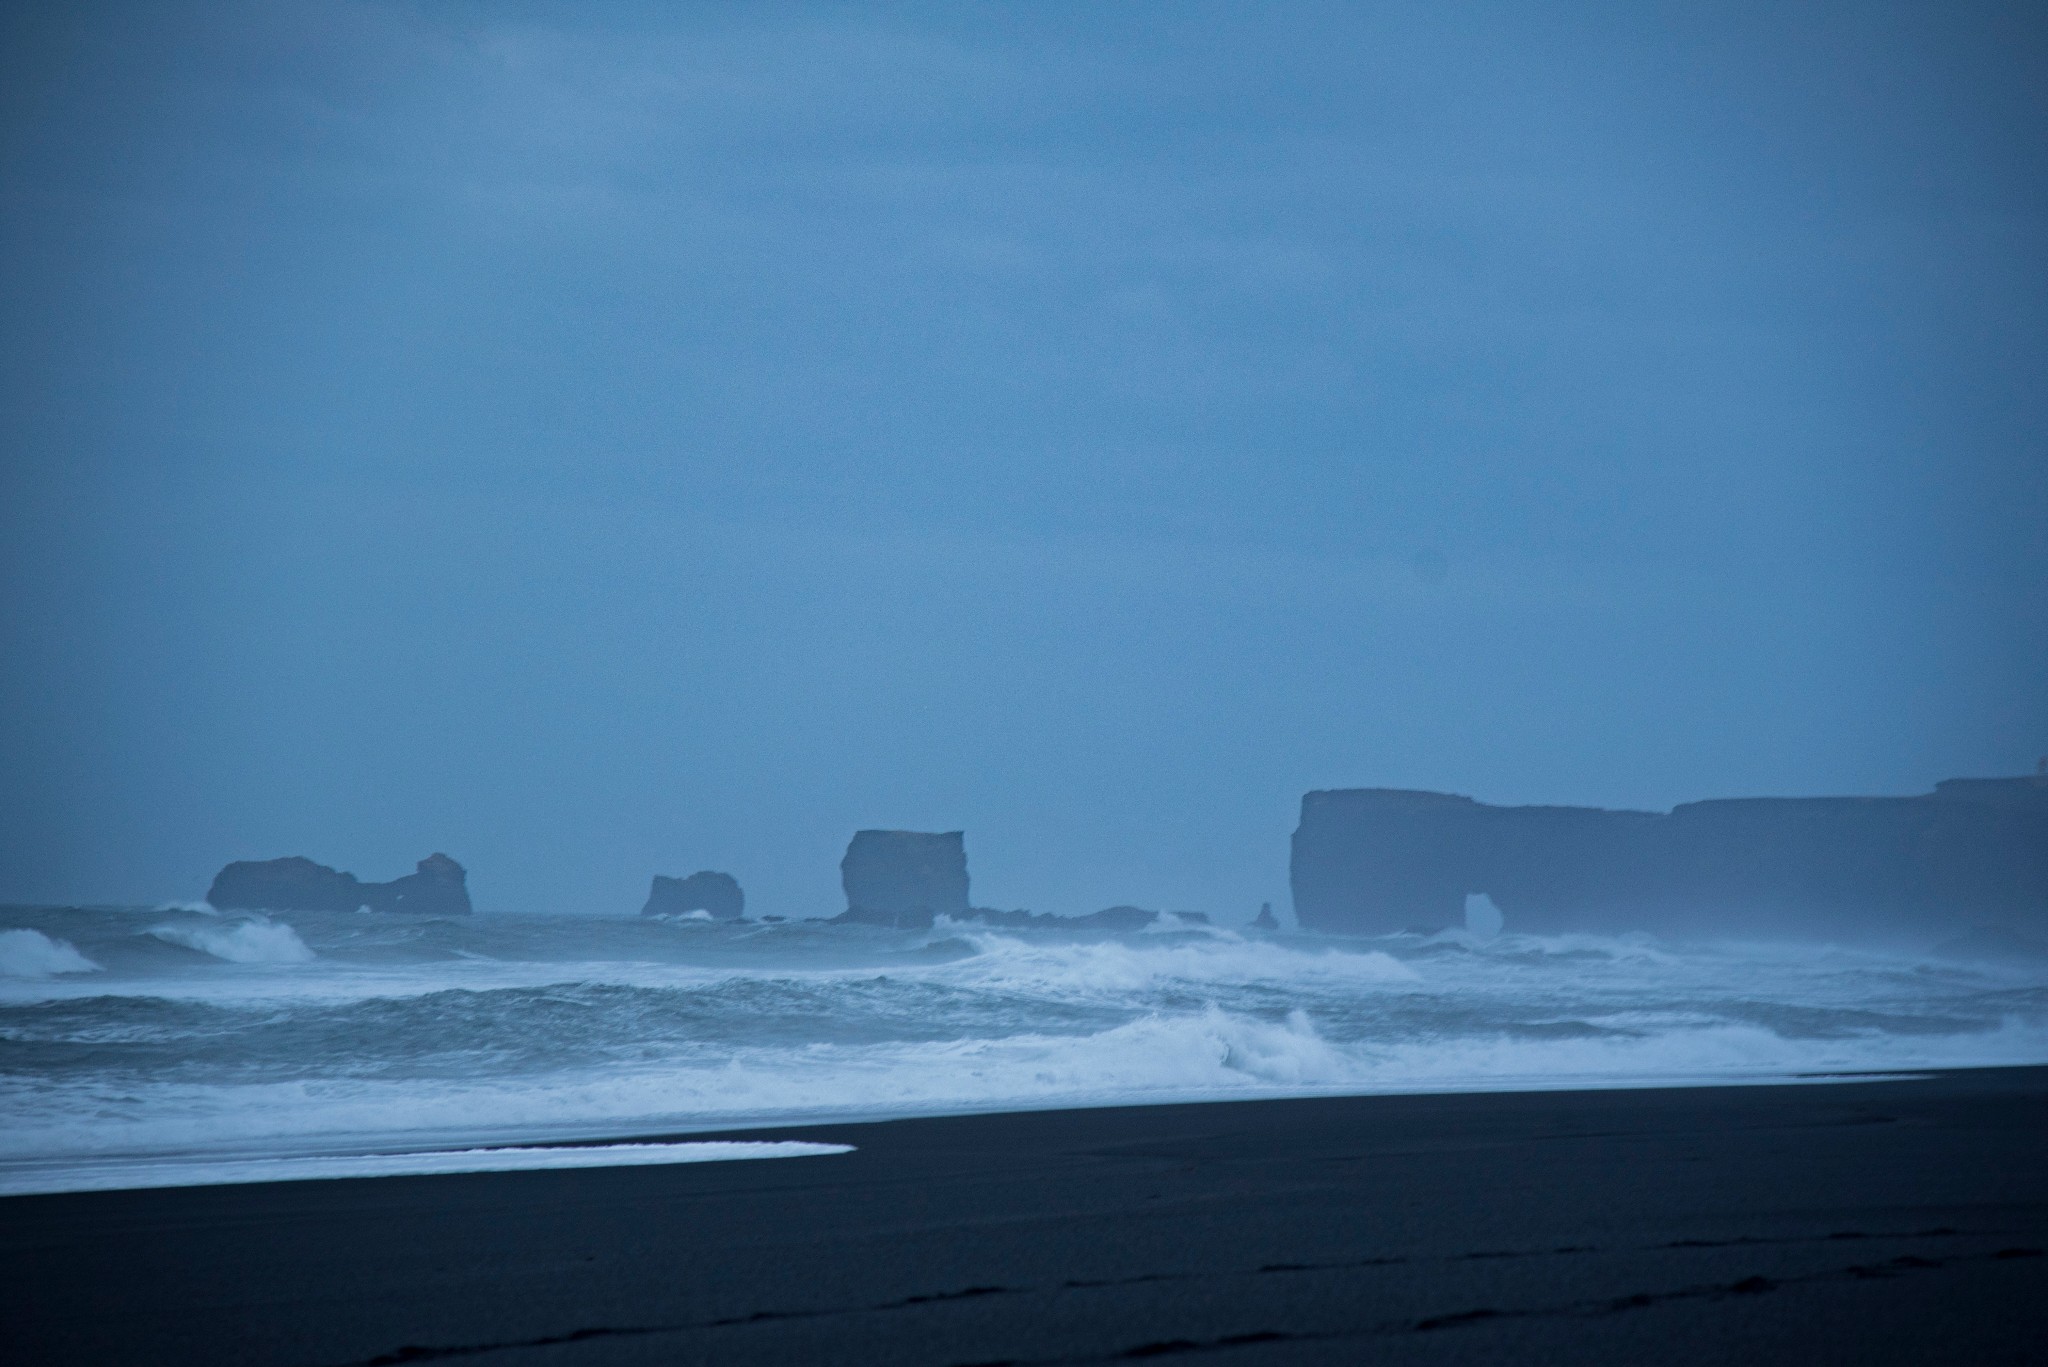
(1861, 1222)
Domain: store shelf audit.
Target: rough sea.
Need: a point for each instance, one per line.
(171, 1045)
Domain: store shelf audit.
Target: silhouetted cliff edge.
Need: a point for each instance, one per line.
(904, 878)
(440, 887)
(1974, 851)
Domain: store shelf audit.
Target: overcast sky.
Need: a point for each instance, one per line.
(605, 440)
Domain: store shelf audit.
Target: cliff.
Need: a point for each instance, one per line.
(438, 887)
(1375, 860)
(717, 893)
(904, 878)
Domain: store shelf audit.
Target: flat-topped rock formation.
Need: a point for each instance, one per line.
(908, 879)
(1974, 851)
(904, 878)
(438, 887)
(717, 893)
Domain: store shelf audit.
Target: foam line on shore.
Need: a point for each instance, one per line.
(131, 1176)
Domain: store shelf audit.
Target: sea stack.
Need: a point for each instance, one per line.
(904, 878)
(438, 887)
(291, 884)
(1973, 852)
(706, 890)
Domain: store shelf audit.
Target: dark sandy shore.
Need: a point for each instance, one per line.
(1868, 1222)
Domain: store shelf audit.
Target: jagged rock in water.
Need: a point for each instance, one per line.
(439, 887)
(1118, 918)
(1010, 920)
(1112, 918)
(1974, 851)
(1265, 920)
(904, 878)
(717, 893)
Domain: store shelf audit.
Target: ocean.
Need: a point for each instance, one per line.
(152, 1046)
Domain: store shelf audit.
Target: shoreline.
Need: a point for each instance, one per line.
(382, 1154)
(464, 1033)
(1876, 1220)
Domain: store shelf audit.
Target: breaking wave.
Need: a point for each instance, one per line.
(251, 940)
(32, 954)
(363, 1033)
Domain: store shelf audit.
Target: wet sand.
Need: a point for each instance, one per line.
(1863, 1222)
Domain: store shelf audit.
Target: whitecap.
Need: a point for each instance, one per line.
(32, 954)
(255, 940)
(1093, 968)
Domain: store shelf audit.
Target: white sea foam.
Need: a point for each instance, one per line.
(32, 954)
(1205, 1055)
(409, 1033)
(251, 940)
(1071, 968)
(135, 1175)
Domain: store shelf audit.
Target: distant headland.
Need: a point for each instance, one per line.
(1974, 852)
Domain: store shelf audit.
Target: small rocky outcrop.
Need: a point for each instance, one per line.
(1116, 918)
(438, 887)
(1110, 919)
(904, 879)
(706, 890)
(1265, 920)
